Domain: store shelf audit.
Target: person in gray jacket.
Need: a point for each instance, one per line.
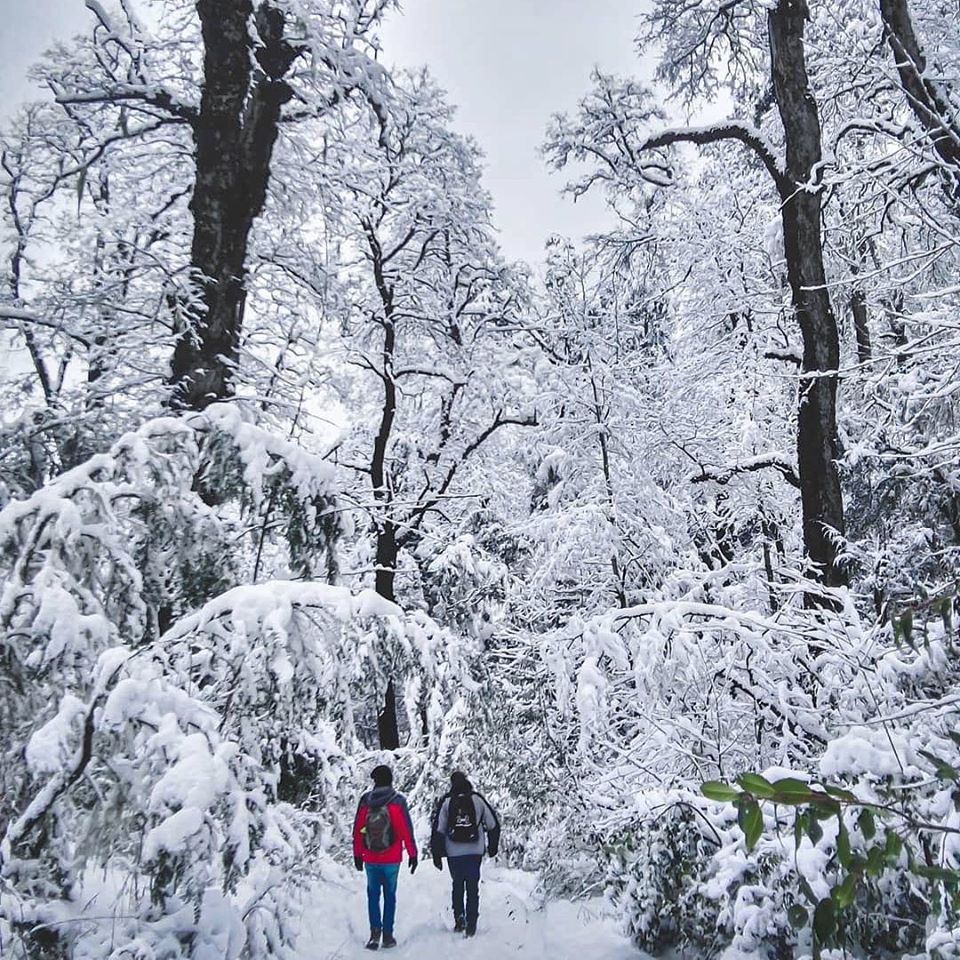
(465, 826)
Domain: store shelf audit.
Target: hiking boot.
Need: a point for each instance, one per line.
(459, 926)
(374, 942)
(388, 940)
(470, 930)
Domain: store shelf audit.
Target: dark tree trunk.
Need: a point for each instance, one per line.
(619, 581)
(820, 490)
(386, 559)
(387, 729)
(924, 96)
(385, 556)
(385, 523)
(234, 135)
(861, 327)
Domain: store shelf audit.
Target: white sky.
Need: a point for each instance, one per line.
(507, 64)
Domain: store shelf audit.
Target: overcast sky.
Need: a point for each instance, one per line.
(507, 64)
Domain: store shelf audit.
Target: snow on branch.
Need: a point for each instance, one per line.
(256, 606)
(789, 354)
(29, 316)
(152, 95)
(261, 451)
(611, 135)
(723, 475)
(17, 830)
(740, 131)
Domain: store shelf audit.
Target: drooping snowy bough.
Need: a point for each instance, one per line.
(175, 746)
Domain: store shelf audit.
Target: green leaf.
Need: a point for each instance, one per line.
(843, 845)
(790, 799)
(798, 916)
(845, 893)
(875, 861)
(825, 919)
(807, 890)
(757, 785)
(822, 806)
(799, 822)
(906, 627)
(750, 819)
(789, 790)
(791, 783)
(893, 847)
(841, 794)
(937, 873)
(814, 830)
(718, 790)
(867, 824)
(945, 771)
(945, 609)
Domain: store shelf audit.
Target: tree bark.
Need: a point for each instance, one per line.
(924, 95)
(861, 326)
(820, 490)
(386, 528)
(234, 135)
(385, 555)
(800, 194)
(387, 729)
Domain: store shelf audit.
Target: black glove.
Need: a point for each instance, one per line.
(493, 841)
(414, 861)
(438, 863)
(358, 862)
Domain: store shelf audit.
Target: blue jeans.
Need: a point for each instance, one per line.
(465, 873)
(382, 876)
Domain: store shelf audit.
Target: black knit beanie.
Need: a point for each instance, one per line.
(459, 782)
(382, 776)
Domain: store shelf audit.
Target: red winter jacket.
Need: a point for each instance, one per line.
(400, 823)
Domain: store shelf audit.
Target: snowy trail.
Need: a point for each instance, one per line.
(335, 922)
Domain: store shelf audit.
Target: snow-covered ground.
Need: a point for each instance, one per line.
(511, 925)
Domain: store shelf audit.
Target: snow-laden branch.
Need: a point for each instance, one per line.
(28, 316)
(723, 475)
(153, 96)
(789, 354)
(257, 605)
(108, 669)
(740, 131)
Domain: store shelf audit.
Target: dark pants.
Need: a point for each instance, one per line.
(465, 872)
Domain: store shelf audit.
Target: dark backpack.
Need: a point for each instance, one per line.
(378, 831)
(462, 826)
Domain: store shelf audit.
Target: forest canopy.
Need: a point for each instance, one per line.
(660, 537)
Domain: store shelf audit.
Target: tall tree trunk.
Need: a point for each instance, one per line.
(924, 95)
(820, 490)
(386, 528)
(385, 556)
(234, 136)
(619, 581)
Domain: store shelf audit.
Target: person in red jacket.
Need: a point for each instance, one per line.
(381, 830)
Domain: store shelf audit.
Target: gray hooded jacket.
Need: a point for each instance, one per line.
(486, 821)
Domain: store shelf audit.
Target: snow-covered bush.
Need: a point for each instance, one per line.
(180, 750)
(652, 701)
